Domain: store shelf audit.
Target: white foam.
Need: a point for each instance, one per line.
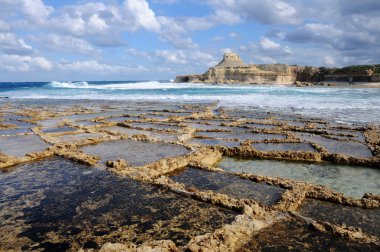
(58, 84)
(345, 104)
(121, 86)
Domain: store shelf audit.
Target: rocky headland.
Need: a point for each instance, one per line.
(233, 70)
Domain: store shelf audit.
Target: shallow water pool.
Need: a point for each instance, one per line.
(58, 205)
(352, 181)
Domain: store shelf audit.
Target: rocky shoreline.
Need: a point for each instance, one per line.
(194, 138)
(232, 70)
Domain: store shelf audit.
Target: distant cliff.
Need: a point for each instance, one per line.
(233, 70)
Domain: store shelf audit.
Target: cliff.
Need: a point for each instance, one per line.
(233, 70)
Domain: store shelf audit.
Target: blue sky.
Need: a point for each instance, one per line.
(44, 40)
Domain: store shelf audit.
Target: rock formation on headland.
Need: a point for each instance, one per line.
(233, 70)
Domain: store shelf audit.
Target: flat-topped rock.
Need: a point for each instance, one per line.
(231, 60)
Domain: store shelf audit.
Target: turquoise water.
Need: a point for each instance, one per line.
(341, 104)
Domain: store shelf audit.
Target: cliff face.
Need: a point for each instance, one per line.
(232, 70)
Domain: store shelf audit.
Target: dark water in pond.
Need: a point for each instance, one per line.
(58, 204)
(366, 219)
(296, 235)
(230, 185)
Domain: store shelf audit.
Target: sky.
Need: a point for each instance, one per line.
(73, 40)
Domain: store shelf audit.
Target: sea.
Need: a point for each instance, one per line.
(350, 105)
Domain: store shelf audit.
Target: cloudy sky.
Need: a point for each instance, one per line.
(44, 40)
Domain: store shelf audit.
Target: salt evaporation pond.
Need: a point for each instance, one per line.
(298, 235)
(15, 145)
(230, 185)
(136, 153)
(352, 181)
(57, 205)
(366, 219)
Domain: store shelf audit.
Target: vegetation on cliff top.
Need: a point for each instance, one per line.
(359, 69)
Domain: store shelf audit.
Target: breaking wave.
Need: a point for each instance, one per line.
(345, 104)
(119, 86)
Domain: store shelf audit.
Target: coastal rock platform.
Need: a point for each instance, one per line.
(145, 176)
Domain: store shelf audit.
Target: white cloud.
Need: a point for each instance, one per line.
(175, 33)
(262, 11)
(11, 44)
(141, 15)
(88, 19)
(35, 10)
(171, 56)
(267, 44)
(92, 66)
(68, 44)
(269, 47)
(96, 23)
(233, 35)
(265, 59)
(162, 57)
(329, 61)
(218, 17)
(17, 63)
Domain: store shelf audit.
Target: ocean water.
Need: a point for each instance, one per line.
(349, 105)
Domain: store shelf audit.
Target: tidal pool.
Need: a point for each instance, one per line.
(284, 147)
(297, 235)
(155, 126)
(213, 122)
(149, 116)
(77, 137)
(168, 114)
(206, 141)
(58, 129)
(258, 126)
(366, 219)
(334, 146)
(241, 135)
(199, 126)
(86, 123)
(228, 184)
(21, 145)
(6, 132)
(157, 135)
(49, 122)
(121, 119)
(58, 205)
(128, 131)
(136, 153)
(352, 181)
(92, 116)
